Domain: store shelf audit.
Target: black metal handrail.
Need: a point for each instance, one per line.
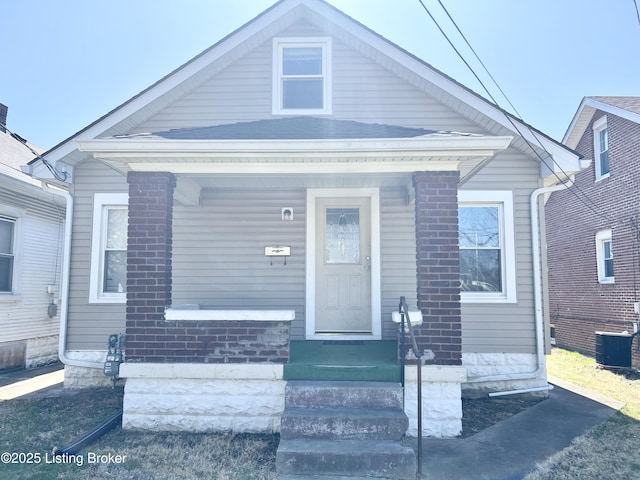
(404, 315)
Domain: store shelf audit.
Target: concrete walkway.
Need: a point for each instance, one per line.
(20, 383)
(510, 449)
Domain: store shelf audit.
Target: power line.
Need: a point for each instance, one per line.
(635, 4)
(62, 176)
(507, 116)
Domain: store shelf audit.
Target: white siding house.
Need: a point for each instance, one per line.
(31, 239)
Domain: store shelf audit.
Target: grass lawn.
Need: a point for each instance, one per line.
(30, 428)
(609, 451)
(33, 427)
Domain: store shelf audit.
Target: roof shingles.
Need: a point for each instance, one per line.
(292, 128)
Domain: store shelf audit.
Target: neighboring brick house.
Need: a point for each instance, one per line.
(593, 229)
(278, 194)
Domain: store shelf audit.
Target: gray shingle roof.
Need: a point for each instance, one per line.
(632, 104)
(292, 128)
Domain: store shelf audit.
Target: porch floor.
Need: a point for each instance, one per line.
(367, 361)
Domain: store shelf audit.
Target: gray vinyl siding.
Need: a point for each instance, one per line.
(90, 324)
(37, 262)
(507, 327)
(398, 252)
(218, 252)
(363, 90)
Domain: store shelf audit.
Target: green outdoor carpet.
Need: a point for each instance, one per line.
(371, 361)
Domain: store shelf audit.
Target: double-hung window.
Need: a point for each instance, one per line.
(302, 75)
(7, 254)
(604, 256)
(108, 281)
(601, 148)
(487, 248)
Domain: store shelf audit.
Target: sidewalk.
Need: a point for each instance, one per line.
(510, 449)
(41, 381)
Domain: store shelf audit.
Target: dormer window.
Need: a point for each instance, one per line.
(302, 76)
(601, 147)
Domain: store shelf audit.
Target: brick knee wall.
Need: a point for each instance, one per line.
(243, 341)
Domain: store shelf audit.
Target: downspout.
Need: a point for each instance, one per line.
(538, 300)
(64, 283)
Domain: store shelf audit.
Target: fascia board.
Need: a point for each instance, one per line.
(585, 113)
(457, 146)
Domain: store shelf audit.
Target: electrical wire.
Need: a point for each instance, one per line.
(591, 206)
(635, 4)
(62, 176)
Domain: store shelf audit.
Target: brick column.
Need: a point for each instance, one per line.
(148, 256)
(438, 265)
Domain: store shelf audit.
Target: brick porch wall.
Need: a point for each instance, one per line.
(438, 269)
(150, 338)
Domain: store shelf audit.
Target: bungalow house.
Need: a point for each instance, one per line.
(593, 248)
(31, 239)
(253, 218)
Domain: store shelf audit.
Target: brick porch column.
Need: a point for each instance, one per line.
(148, 256)
(438, 265)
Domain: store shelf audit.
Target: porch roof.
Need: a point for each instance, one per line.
(291, 128)
(297, 145)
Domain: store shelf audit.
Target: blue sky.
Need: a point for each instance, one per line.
(66, 63)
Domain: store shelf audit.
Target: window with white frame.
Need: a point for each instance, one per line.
(302, 75)
(601, 148)
(108, 281)
(487, 247)
(7, 253)
(604, 256)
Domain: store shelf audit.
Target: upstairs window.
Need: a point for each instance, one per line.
(7, 243)
(601, 148)
(302, 76)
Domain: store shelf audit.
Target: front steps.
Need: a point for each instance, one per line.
(340, 429)
(369, 361)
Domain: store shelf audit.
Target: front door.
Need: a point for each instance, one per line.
(343, 266)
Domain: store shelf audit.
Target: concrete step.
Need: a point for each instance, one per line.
(343, 423)
(343, 394)
(347, 458)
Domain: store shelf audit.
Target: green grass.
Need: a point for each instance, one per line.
(610, 450)
(35, 426)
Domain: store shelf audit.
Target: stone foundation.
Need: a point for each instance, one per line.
(41, 351)
(491, 372)
(203, 397)
(29, 353)
(441, 400)
(83, 377)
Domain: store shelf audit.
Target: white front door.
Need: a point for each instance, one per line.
(343, 266)
(343, 300)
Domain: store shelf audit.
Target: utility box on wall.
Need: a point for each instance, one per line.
(614, 349)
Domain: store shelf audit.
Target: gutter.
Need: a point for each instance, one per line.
(538, 301)
(64, 283)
